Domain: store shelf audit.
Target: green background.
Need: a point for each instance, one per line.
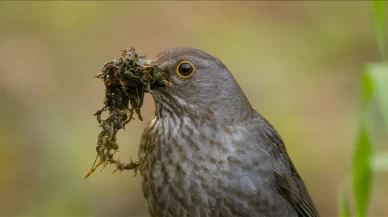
(299, 64)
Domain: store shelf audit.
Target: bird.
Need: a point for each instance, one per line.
(209, 153)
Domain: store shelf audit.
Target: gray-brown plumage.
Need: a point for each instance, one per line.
(209, 152)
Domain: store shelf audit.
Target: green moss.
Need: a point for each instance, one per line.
(126, 80)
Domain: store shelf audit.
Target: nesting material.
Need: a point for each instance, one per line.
(126, 80)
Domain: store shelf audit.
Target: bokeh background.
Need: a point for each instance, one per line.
(298, 63)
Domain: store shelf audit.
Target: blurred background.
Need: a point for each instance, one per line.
(298, 63)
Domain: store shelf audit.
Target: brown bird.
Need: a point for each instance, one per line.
(209, 153)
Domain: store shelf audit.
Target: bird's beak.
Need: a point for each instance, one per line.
(159, 77)
(145, 62)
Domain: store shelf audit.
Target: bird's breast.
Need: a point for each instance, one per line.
(193, 169)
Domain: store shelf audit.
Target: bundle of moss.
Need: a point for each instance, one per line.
(126, 80)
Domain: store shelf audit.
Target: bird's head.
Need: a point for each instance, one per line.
(198, 85)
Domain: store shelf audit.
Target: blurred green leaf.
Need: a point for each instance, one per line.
(344, 206)
(379, 23)
(376, 76)
(344, 209)
(362, 173)
(367, 89)
(374, 85)
(380, 162)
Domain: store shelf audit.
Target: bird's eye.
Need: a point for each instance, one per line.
(185, 69)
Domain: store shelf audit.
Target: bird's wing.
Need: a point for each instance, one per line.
(294, 191)
(288, 182)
